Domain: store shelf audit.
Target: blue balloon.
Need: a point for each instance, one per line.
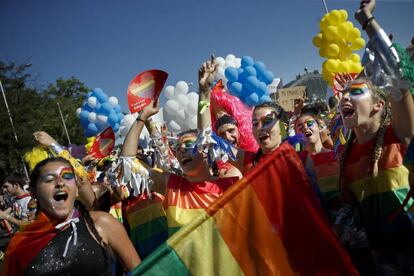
(88, 94)
(115, 127)
(92, 128)
(236, 88)
(252, 83)
(231, 74)
(120, 116)
(262, 89)
(268, 77)
(118, 108)
(250, 71)
(105, 109)
(240, 70)
(252, 99)
(101, 126)
(86, 107)
(260, 67)
(100, 95)
(98, 105)
(112, 119)
(84, 123)
(265, 99)
(247, 61)
(84, 115)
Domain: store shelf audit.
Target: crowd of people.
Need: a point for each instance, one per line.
(84, 216)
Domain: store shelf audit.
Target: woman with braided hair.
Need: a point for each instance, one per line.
(373, 178)
(65, 238)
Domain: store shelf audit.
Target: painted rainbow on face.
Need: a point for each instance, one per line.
(187, 142)
(66, 174)
(358, 90)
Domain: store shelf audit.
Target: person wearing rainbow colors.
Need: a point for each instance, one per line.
(373, 177)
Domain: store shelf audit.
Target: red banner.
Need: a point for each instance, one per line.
(103, 144)
(145, 87)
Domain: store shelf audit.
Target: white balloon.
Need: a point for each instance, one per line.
(182, 100)
(180, 88)
(180, 115)
(78, 111)
(171, 106)
(113, 101)
(102, 118)
(220, 61)
(192, 107)
(230, 57)
(173, 126)
(92, 117)
(92, 102)
(220, 73)
(237, 62)
(192, 124)
(123, 130)
(126, 123)
(230, 63)
(192, 97)
(169, 92)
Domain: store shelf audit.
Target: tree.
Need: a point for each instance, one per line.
(34, 110)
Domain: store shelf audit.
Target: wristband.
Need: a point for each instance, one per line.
(202, 106)
(367, 22)
(56, 148)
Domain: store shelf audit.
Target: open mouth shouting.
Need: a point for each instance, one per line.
(263, 137)
(347, 111)
(186, 160)
(60, 197)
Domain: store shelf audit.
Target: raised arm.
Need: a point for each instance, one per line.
(403, 108)
(205, 82)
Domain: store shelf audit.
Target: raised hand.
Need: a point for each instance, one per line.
(366, 8)
(206, 74)
(43, 138)
(150, 110)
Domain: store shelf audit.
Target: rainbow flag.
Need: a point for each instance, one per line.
(147, 222)
(265, 224)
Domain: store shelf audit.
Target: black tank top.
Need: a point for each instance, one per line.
(87, 257)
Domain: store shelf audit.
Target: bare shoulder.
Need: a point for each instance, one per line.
(102, 219)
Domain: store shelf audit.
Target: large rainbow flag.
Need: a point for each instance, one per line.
(265, 224)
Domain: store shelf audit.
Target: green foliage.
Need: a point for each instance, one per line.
(32, 110)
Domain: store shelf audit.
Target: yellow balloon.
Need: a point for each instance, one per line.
(343, 67)
(324, 23)
(334, 17)
(355, 58)
(317, 40)
(343, 29)
(344, 53)
(344, 15)
(332, 64)
(358, 44)
(355, 67)
(331, 32)
(332, 50)
(323, 53)
(353, 34)
(342, 43)
(350, 24)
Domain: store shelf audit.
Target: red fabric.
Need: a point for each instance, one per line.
(27, 243)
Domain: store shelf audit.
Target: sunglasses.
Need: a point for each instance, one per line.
(265, 122)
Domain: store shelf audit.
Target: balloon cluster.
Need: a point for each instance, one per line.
(336, 40)
(180, 111)
(98, 112)
(249, 82)
(230, 61)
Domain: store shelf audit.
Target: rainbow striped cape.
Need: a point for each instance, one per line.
(265, 224)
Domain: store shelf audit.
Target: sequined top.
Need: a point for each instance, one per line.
(87, 257)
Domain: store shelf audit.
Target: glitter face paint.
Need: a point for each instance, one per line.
(265, 122)
(358, 90)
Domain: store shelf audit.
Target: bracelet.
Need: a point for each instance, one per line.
(139, 119)
(366, 22)
(203, 105)
(56, 148)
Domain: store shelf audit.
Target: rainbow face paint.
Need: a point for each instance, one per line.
(357, 90)
(265, 122)
(187, 143)
(66, 175)
(309, 124)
